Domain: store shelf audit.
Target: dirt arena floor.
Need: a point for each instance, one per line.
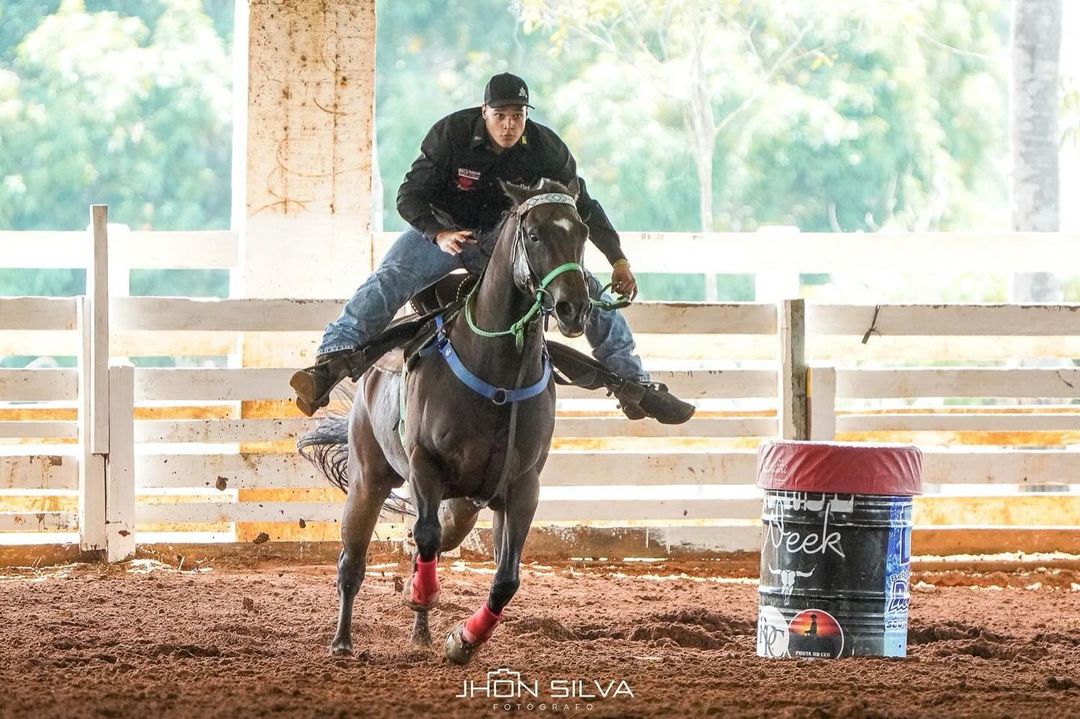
(662, 640)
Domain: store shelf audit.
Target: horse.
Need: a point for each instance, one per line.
(467, 423)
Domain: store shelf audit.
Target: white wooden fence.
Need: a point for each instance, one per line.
(202, 453)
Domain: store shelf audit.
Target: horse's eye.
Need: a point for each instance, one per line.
(533, 237)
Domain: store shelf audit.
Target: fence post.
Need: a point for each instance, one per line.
(94, 386)
(120, 474)
(97, 289)
(791, 331)
(91, 465)
(821, 398)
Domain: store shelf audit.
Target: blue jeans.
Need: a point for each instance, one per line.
(413, 263)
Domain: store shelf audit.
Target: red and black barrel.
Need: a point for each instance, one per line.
(836, 548)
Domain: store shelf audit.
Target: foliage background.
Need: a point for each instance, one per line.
(875, 121)
(684, 114)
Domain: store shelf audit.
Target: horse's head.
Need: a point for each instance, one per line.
(549, 247)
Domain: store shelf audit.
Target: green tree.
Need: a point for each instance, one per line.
(1036, 204)
(841, 116)
(124, 102)
(101, 107)
(431, 61)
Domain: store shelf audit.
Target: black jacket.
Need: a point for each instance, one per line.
(457, 174)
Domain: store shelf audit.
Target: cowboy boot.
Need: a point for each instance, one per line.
(665, 407)
(314, 384)
(652, 399)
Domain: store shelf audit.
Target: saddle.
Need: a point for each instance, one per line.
(406, 335)
(445, 293)
(402, 340)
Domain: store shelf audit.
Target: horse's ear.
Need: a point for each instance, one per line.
(514, 192)
(574, 188)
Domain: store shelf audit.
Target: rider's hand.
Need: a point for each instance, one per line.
(623, 280)
(453, 241)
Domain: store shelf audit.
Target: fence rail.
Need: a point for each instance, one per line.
(120, 453)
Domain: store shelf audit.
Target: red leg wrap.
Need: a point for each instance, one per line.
(425, 582)
(479, 627)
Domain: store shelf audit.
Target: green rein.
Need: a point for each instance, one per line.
(518, 328)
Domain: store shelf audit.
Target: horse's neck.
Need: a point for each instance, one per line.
(497, 304)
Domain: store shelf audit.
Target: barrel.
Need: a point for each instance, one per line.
(836, 548)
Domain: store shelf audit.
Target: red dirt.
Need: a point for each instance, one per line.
(91, 641)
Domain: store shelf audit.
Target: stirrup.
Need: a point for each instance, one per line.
(314, 384)
(630, 393)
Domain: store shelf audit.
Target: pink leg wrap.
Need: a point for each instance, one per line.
(479, 626)
(425, 583)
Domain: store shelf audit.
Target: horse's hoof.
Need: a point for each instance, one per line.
(340, 648)
(459, 650)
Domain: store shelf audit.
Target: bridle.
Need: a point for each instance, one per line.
(526, 281)
(525, 277)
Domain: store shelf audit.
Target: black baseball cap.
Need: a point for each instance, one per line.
(506, 89)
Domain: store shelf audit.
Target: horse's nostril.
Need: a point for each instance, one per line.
(565, 310)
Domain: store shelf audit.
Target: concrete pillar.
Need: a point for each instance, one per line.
(302, 201)
(306, 229)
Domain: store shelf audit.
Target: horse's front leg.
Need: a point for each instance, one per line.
(362, 508)
(422, 588)
(457, 518)
(513, 520)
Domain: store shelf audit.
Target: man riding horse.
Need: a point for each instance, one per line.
(451, 198)
(489, 362)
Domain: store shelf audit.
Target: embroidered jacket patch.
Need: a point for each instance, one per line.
(466, 178)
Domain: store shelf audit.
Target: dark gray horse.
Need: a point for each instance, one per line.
(478, 419)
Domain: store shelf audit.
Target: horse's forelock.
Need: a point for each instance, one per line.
(545, 184)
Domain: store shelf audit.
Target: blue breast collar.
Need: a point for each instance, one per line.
(498, 395)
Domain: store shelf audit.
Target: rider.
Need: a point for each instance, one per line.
(451, 198)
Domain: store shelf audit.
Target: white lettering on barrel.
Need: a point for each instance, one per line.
(801, 500)
(811, 543)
